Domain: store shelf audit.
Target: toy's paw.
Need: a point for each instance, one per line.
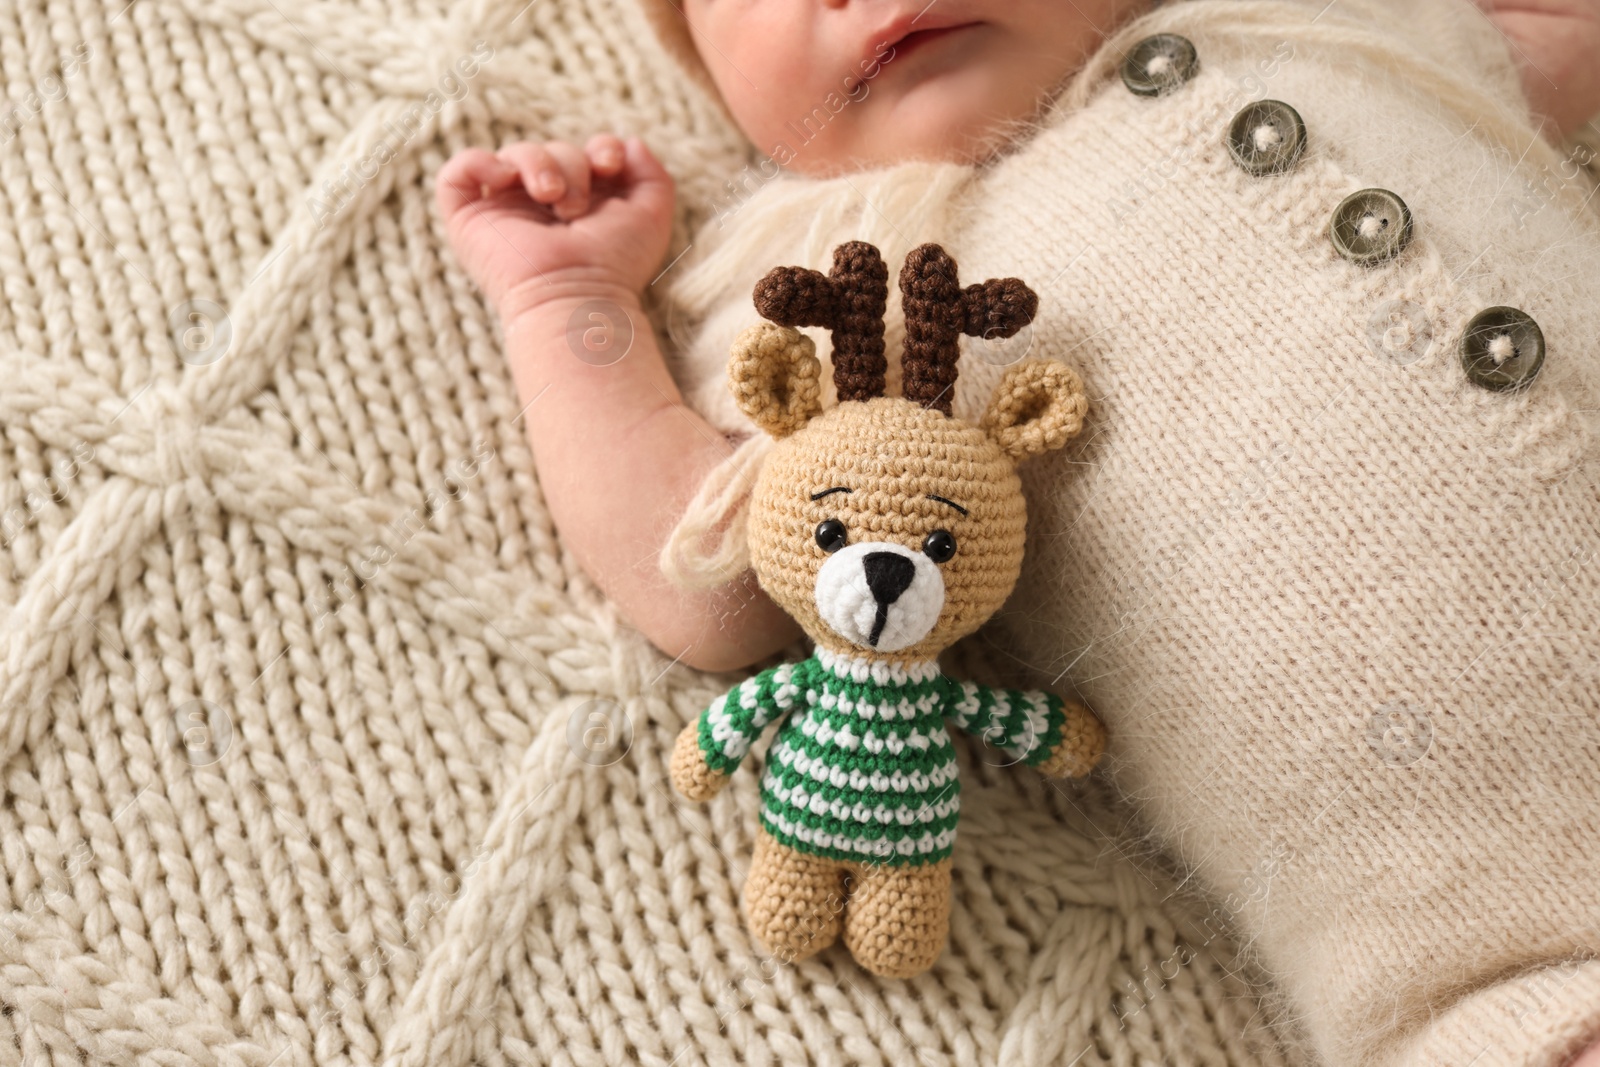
(690, 775)
(1082, 742)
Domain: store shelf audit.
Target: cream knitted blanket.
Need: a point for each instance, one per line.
(318, 748)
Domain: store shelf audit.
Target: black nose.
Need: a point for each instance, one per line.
(888, 575)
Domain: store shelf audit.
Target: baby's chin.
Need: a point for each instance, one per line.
(961, 116)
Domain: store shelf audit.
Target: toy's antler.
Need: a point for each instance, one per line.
(938, 311)
(849, 301)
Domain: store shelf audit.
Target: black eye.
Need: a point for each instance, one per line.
(830, 535)
(939, 545)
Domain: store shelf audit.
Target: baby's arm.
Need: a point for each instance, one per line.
(544, 230)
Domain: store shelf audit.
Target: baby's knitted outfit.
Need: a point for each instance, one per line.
(866, 772)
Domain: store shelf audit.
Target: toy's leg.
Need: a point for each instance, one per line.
(793, 901)
(898, 918)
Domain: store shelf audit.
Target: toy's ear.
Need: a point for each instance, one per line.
(775, 377)
(1038, 406)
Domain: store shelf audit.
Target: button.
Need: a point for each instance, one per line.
(1371, 226)
(1399, 331)
(1502, 348)
(1267, 137)
(1159, 64)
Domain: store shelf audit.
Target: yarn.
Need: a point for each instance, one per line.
(862, 774)
(1263, 559)
(848, 302)
(938, 311)
(306, 711)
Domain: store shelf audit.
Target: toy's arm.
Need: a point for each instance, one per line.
(1058, 736)
(711, 748)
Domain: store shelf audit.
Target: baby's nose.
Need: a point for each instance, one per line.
(888, 575)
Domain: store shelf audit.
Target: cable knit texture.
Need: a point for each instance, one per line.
(318, 748)
(1338, 605)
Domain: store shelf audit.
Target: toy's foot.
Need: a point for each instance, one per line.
(793, 901)
(898, 918)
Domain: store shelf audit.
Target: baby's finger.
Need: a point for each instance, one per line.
(606, 154)
(542, 176)
(468, 176)
(650, 186)
(575, 170)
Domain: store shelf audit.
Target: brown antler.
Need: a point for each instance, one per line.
(849, 301)
(938, 311)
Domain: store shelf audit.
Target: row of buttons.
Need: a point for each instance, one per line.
(1502, 348)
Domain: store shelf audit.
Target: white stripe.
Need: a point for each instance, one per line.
(859, 812)
(900, 782)
(883, 672)
(1038, 723)
(720, 721)
(825, 734)
(895, 744)
(967, 706)
(902, 708)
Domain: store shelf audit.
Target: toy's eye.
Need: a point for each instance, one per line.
(939, 545)
(831, 535)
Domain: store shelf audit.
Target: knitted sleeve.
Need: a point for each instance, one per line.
(736, 718)
(1026, 723)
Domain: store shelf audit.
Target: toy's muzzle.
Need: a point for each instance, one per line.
(880, 595)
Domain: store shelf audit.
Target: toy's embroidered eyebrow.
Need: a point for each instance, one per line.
(952, 503)
(825, 492)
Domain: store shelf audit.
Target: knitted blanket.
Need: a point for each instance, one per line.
(318, 748)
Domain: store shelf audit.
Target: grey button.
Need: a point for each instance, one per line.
(1159, 64)
(1267, 137)
(1502, 348)
(1371, 226)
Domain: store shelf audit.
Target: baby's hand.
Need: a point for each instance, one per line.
(538, 221)
(1555, 42)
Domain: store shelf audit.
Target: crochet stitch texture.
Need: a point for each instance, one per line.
(318, 748)
(862, 767)
(1334, 600)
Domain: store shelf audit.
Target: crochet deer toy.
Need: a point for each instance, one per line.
(889, 529)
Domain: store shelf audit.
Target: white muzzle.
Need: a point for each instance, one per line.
(880, 595)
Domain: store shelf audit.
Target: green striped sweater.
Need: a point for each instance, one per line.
(863, 768)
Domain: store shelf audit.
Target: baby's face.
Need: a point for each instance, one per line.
(827, 86)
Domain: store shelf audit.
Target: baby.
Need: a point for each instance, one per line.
(547, 229)
(555, 232)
